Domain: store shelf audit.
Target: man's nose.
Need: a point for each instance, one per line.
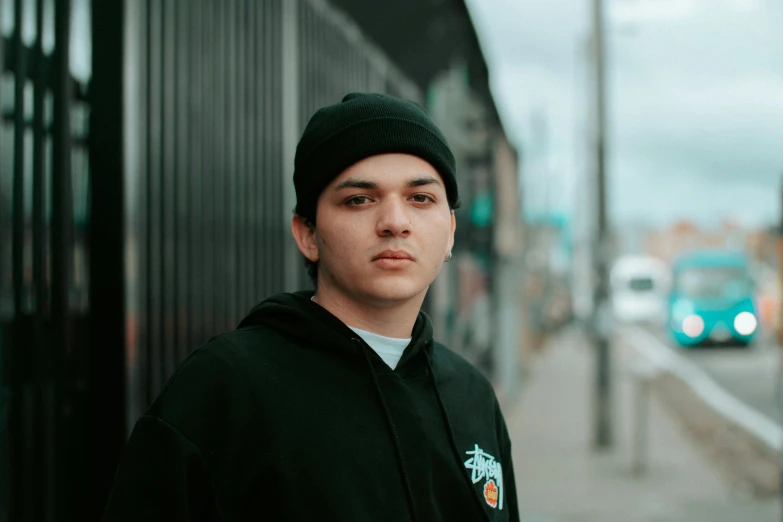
(393, 219)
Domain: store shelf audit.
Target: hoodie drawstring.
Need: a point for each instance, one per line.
(395, 437)
(452, 440)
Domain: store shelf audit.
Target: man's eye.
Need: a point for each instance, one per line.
(357, 200)
(421, 198)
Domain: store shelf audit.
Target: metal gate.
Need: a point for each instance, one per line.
(44, 283)
(146, 157)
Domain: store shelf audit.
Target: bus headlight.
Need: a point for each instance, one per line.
(745, 323)
(693, 325)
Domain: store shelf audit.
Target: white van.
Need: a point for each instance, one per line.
(640, 289)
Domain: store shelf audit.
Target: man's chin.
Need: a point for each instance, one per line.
(395, 292)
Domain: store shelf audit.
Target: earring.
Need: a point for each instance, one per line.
(448, 257)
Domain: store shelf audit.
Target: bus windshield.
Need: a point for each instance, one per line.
(715, 282)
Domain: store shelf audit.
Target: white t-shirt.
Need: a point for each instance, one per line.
(388, 348)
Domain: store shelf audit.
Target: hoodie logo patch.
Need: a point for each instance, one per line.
(491, 493)
(484, 467)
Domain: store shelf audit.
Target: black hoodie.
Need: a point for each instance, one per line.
(293, 417)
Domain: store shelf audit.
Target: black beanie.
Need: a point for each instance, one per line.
(363, 125)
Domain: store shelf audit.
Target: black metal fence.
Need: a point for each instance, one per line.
(146, 195)
(44, 283)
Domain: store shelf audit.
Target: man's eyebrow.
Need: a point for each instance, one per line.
(356, 183)
(371, 185)
(420, 182)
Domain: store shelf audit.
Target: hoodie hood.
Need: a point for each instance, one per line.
(298, 318)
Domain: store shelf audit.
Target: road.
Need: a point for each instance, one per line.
(748, 373)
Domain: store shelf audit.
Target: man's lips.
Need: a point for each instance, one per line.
(394, 254)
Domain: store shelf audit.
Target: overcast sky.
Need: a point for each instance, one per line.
(695, 103)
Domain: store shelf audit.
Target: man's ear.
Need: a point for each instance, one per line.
(451, 233)
(304, 234)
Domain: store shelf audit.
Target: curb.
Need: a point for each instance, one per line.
(664, 358)
(744, 442)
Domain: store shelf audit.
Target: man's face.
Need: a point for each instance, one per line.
(383, 229)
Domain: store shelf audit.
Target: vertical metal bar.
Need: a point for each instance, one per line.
(256, 150)
(342, 57)
(234, 203)
(184, 166)
(353, 68)
(232, 178)
(197, 37)
(137, 157)
(249, 277)
(238, 181)
(21, 417)
(311, 88)
(284, 197)
(290, 136)
(168, 200)
(18, 188)
(360, 76)
(159, 87)
(62, 240)
(39, 200)
(229, 167)
(31, 473)
(149, 269)
(164, 175)
(273, 250)
(261, 136)
(348, 70)
(210, 130)
(187, 15)
(264, 21)
(260, 143)
(104, 434)
(46, 455)
(134, 103)
(227, 172)
(172, 176)
(6, 383)
(217, 175)
(283, 45)
(221, 182)
(250, 143)
(264, 81)
(244, 273)
(179, 94)
(270, 177)
(153, 195)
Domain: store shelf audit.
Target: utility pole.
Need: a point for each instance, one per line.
(780, 323)
(602, 404)
(780, 276)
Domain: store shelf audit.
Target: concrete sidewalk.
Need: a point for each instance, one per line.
(560, 478)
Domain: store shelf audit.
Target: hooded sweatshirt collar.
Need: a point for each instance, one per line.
(298, 318)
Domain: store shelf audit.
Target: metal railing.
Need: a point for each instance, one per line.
(148, 208)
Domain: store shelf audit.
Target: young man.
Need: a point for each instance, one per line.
(336, 405)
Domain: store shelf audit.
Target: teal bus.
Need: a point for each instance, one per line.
(712, 299)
